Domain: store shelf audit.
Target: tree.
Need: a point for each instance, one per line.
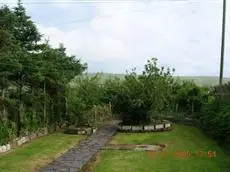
(24, 30)
(33, 75)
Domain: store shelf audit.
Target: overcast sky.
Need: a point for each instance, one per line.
(112, 36)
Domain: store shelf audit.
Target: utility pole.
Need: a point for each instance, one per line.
(222, 43)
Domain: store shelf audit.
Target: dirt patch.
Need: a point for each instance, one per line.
(94, 161)
(154, 147)
(38, 163)
(112, 142)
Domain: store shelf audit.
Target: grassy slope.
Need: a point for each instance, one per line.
(181, 138)
(37, 153)
(200, 80)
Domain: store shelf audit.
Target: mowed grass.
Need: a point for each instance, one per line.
(36, 154)
(181, 138)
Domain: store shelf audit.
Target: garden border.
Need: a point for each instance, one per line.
(146, 128)
(19, 141)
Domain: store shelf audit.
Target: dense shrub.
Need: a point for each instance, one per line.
(97, 115)
(136, 95)
(188, 98)
(153, 94)
(7, 131)
(84, 93)
(215, 117)
(114, 92)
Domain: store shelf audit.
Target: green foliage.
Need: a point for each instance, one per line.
(215, 117)
(87, 100)
(24, 30)
(97, 115)
(7, 131)
(148, 97)
(33, 76)
(84, 93)
(136, 95)
(188, 97)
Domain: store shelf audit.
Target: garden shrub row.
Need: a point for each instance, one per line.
(215, 116)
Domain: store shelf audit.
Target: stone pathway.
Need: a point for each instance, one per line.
(75, 158)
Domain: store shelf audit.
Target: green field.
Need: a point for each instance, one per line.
(180, 139)
(36, 154)
(199, 80)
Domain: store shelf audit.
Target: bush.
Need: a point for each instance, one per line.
(136, 95)
(7, 132)
(97, 115)
(189, 98)
(215, 117)
(84, 93)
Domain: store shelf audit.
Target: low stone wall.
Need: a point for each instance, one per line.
(146, 128)
(22, 140)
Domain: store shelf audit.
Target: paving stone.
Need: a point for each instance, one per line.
(149, 128)
(137, 128)
(159, 126)
(168, 125)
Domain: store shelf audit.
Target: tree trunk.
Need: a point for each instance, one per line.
(33, 106)
(66, 111)
(44, 106)
(4, 117)
(51, 113)
(192, 108)
(20, 110)
(177, 108)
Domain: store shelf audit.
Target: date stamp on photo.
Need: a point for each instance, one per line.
(183, 154)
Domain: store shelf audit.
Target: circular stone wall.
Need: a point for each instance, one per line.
(164, 126)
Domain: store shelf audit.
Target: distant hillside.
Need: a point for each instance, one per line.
(204, 80)
(109, 75)
(199, 80)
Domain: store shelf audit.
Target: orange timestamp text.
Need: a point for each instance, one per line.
(183, 154)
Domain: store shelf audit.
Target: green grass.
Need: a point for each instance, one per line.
(36, 154)
(181, 138)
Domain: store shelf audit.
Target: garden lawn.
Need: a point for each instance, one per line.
(181, 138)
(34, 155)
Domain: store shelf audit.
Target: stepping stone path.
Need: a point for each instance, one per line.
(75, 158)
